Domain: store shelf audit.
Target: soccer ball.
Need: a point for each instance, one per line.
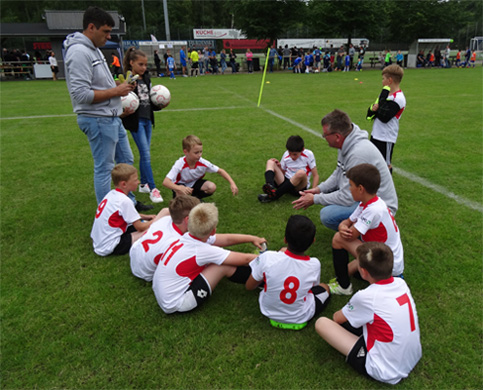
(160, 96)
(130, 103)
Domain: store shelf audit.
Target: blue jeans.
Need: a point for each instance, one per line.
(143, 141)
(223, 66)
(332, 215)
(270, 64)
(109, 145)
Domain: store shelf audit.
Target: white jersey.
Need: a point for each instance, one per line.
(181, 173)
(146, 252)
(181, 263)
(114, 214)
(388, 132)
(376, 223)
(286, 296)
(306, 162)
(387, 313)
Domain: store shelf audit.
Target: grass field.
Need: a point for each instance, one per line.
(70, 319)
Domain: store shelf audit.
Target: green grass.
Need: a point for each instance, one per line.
(70, 319)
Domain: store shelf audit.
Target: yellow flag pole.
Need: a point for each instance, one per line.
(263, 78)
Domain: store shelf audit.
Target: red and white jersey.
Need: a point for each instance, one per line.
(182, 262)
(146, 252)
(388, 132)
(306, 162)
(387, 313)
(286, 296)
(181, 173)
(114, 214)
(376, 223)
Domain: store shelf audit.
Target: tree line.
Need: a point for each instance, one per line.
(397, 21)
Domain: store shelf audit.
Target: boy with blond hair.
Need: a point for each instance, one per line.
(191, 268)
(147, 251)
(370, 221)
(186, 175)
(117, 223)
(378, 329)
(387, 111)
(292, 293)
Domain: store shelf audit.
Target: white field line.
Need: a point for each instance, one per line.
(167, 111)
(416, 179)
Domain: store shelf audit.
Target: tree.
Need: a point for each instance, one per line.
(267, 19)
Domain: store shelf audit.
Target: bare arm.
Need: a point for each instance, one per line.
(180, 190)
(315, 177)
(234, 239)
(239, 258)
(339, 317)
(348, 231)
(251, 283)
(224, 174)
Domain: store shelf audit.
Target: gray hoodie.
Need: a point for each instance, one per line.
(86, 70)
(356, 149)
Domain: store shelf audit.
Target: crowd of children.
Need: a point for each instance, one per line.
(180, 251)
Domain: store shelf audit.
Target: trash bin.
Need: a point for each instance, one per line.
(256, 64)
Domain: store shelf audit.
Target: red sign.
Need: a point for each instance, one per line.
(42, 46)
(246, 43)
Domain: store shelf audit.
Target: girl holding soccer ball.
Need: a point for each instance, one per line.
(140, 122)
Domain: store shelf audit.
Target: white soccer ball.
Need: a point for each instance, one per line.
(160, 96)
(130, 103)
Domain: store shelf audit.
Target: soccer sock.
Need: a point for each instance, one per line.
(340, 258)
(270, 177)
(285, 187)
(241, 274)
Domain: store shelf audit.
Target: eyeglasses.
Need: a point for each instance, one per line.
(326, 135)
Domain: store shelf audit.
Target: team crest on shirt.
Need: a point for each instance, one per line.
(349, 306)
(366, 221)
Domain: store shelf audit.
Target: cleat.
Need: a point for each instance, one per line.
(264, 198)
(336, 289)
(269, 190)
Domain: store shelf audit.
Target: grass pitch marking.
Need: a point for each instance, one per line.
(410, 176)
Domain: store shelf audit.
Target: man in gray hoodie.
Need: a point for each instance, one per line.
(354, 149)
(96, 99)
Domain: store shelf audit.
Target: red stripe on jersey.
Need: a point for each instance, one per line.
(375, 199)
(116, 221)
(380, 331)
(189, 268)
(378, 234)
(296, 257)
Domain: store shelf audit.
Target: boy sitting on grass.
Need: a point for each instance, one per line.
(378, 329)
(292, 293)
(370, 221)
(191, 268)
(186, 175)
(117, 223)
(146, 252)
(292, 174)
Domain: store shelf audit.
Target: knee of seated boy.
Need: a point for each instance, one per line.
(209, 187)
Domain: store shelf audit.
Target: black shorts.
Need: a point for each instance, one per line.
(197, 293)
(386, 149)
(126, 241)
(293, 191)
(55, 69)
(322, 298)
(194, 65)
(357, 356)
(197, 192)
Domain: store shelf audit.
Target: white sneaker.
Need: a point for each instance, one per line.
(336, 289)
(144, 188)
(155, 196)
